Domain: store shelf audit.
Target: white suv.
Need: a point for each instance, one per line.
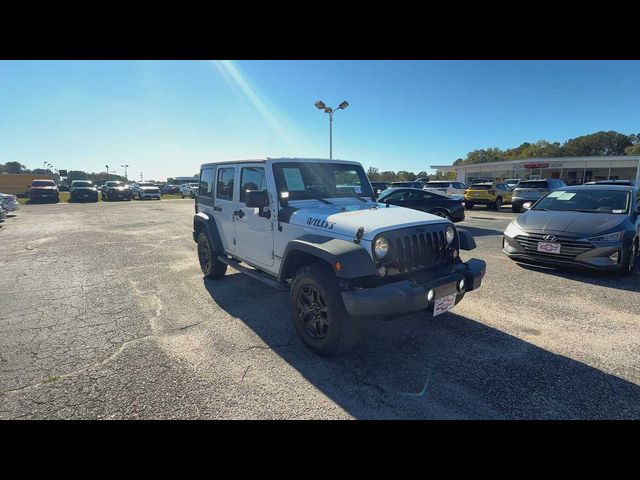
(446, 188)
(313, 227)
(189, 190)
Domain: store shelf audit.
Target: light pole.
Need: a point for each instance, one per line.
(125, 171)
(321, 106)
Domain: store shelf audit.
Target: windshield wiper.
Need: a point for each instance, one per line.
(320, 199)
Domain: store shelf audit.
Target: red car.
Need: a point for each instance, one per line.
(44, 190)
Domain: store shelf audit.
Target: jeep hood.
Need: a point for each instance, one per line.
(347, 219)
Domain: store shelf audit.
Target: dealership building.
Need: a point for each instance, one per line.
(573, 170)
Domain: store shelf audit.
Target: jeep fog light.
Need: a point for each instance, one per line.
(381, 247)
(431, 295)
(382, 271)
(451, 233)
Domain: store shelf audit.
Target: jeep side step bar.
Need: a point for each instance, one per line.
(253, 273)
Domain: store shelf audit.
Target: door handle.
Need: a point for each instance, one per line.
(217, 209)
(239, 213)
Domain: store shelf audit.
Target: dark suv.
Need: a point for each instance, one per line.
(44, 190)
(532, 190)
(116, 190)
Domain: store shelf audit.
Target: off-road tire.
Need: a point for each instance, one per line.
(325, 333)
(209, 264)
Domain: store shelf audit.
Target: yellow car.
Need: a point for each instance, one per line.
(491, 194)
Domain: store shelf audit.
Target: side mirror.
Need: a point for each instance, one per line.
(256, 198)
(526, 206)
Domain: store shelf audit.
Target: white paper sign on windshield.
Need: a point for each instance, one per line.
(293, 177)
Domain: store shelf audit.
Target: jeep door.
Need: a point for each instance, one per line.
(224, 205)
(254, 232)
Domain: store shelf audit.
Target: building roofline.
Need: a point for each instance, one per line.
(629, 158)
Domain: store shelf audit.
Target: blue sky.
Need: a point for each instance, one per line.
(165, 118)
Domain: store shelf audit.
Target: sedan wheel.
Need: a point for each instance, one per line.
(631, 263)
(441, 213)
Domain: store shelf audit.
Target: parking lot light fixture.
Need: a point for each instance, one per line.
(320, 105)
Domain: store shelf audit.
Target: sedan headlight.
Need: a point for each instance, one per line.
(450, 234)
(610, 237)
(381, 247)
(513, 230)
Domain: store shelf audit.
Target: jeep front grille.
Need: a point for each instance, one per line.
(421, 250)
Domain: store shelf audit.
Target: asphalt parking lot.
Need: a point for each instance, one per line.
(104, 314)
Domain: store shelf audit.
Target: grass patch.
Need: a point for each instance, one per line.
(51, 379)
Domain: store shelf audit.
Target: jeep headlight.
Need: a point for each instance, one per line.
(450, 234)
(513, 230)
(381, 247)
(610, 237)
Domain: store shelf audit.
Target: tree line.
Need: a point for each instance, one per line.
(592, 145)
(17, 167)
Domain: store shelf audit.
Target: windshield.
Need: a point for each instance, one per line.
(307, 180)
(438, 184)
(81, 184)
(481, 187)
(43, 183)
(114, 184)
(591, 201)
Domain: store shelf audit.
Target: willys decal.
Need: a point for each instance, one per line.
(319, 222)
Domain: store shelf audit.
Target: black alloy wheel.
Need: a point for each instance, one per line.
(312, 312)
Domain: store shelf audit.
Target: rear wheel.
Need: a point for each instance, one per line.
(468, 205)
(497, 204)
(318, 312)
(209, 264)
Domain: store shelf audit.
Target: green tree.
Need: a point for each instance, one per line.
(14, 167)
(632, 149)
(373, 174)
(404, 176)
(597, 144)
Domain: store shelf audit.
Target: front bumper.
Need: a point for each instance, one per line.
(597, 258)
(405, 296)
(149, 195)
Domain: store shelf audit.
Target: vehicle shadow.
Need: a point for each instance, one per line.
(482, 232)
(629, 283)
(445, 367)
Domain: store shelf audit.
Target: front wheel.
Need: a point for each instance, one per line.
(209, 264)
(441, 213)
(629, 265)
(318, 312)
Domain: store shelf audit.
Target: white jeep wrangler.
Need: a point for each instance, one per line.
(313, 226)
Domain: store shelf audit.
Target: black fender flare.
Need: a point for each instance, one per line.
(356, 261)
(467, 242)
(202, 221)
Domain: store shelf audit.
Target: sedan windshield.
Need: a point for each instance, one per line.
(43, 183)
(591, 201)
(82, 184)
(313, 180)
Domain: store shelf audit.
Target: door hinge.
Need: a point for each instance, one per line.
(234, 240)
